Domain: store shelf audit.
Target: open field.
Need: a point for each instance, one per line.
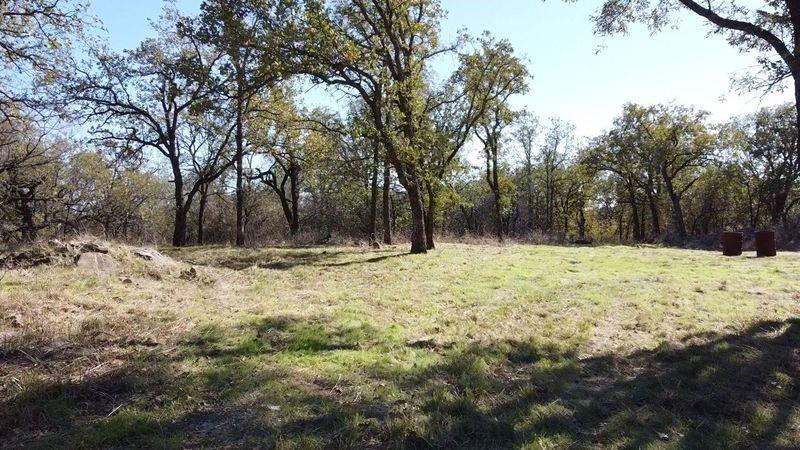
(469, 346)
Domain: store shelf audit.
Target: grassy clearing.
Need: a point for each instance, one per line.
(470, 346)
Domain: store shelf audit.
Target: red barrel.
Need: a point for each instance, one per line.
(765, 243)
(731, 243)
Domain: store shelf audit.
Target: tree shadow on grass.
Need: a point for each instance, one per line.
(287, 258)
(255, 389)
(734, 391)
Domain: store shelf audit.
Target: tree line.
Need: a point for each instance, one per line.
(200, 134)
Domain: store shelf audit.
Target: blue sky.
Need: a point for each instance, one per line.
(572, 79)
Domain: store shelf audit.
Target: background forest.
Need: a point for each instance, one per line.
(202, 135)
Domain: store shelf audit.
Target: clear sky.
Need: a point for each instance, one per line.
(578, 76)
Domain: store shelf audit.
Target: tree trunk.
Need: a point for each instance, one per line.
(418, 240)
(387, 204)
(288, 213)
(179, 228)
(430, 212)
(239, 182)
(653, 204)
(778, 207)
(179, 232)
(373, 200)
(240, 94)
(411, 182)
(201, 211)
(467, 219)
(294, 226)
(637, 230)
(678, 222)
(493, 181)
(529, 189)
(498, 213)
(294, 178)
(797, 111)
(28, 217)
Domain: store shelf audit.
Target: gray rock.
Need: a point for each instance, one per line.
(153, 256)
(96, 261)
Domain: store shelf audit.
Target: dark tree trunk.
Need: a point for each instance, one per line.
(179, 229)
(201, 212)
(778, 207)
(239, 138)
(637, 230)
(387, 205)
(498, 219)
(467, 218)
(581, 224)
(179, 232)
(373, 200)
(28, 216)
(797, 110)
(678, 222)
(294, 179)
(493, 181)
(411, 182)
(289, 213)
(418, 240)
(529, 192)
(429, 216)
(654, 216)
(240, 231)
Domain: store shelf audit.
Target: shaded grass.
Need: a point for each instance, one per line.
(505, 347)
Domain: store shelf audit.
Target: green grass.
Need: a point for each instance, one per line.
(468, 346)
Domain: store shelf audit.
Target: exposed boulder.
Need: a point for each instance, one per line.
(154, 256)
(87, 253)
(100, 262)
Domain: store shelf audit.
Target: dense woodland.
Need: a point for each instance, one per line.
(202, 134)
